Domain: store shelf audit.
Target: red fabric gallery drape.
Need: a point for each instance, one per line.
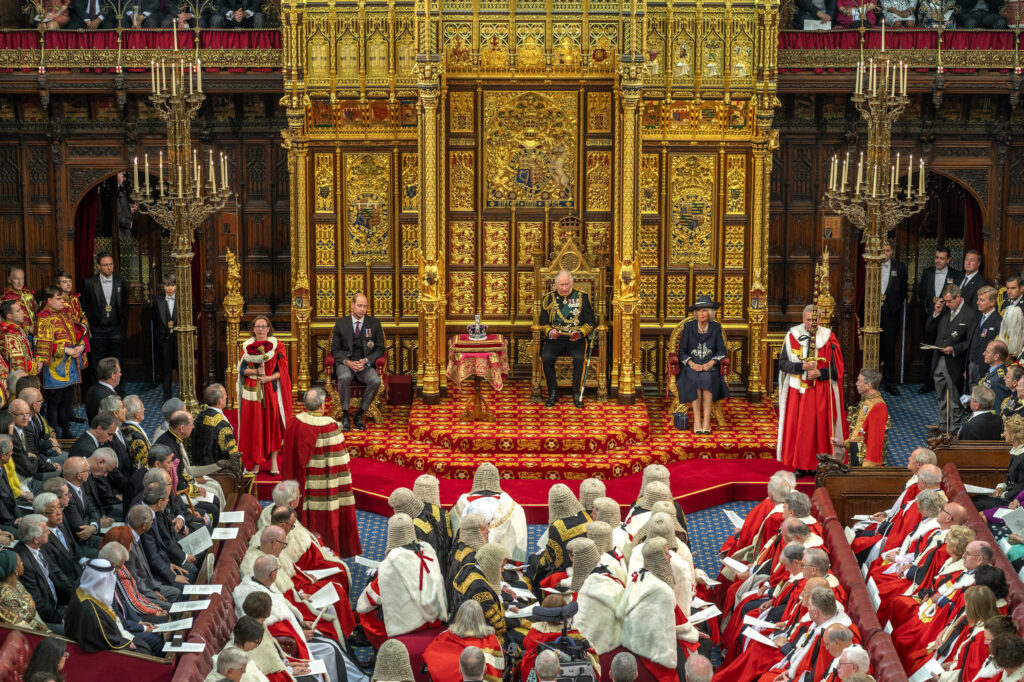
(973, 237)
(85, 235)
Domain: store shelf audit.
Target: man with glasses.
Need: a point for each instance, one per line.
(31, 468)
(42, 439)
(85, 518)
(953, 322)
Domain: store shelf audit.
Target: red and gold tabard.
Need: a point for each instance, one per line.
(867, 434)
(16, 350)
(73, 311)
(54, 333)
(27, 298)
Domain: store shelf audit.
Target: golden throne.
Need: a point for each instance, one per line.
(588, 276)
(673, 369)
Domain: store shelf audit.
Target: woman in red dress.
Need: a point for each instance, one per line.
(265, 390)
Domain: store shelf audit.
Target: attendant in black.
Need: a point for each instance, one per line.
(983, 424)
(213, 440)
(165, 338)
(894, 297)
(972, 280)
(953, 323)
(566, 319)
(989, 322)
(356, 344)
(701, 351)
(105, 301)
(1014, 292)
(108, 374)
(929, 290)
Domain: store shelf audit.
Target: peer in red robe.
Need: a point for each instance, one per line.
(442, 657)
(265, 394)
(314, 454)
(751, 525)
(811, 411)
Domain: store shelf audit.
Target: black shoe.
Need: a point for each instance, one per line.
(358, 638)
(358, 421)
(344, 421)
(552, 399)
(893, 389)
(577, 401)
(926, 389)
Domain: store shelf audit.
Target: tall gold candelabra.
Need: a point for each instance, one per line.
(877, 201)
(181, 201)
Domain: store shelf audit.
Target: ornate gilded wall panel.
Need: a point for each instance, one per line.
(462, 112)
(367, 195)
(735, 238)
(530, 240)
(530, 46)
(530, 144)
(649, 360)
(599, 112)
(461, 181)
(693, 209)
(323, 176)
(566, 46)
(410, 294)
(496, 293)
(524, 351)
(494, 45)
(325, 244)
(410, 244)
(704, 285)
(408, 354)
(524, 293)
(410, 182)
(599, 237)
(647, 245)
(648, 292)
(736, 179)
(604, 39)
(712, 49)
(732, 296)
(462, 245)
(462, 300)
(383, 295)
(458, 43)
(355, 283)
(741, 53)
(496, 246)
(650, 186)
(599, 181)
(735, 351)
(675, 296)
(325, 296)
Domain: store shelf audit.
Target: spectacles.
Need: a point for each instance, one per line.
(20, 414)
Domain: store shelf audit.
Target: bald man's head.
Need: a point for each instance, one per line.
(76, 470)
(272, 540)
(952, 514)
(263, 568)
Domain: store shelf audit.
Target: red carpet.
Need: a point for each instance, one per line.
(530, 442)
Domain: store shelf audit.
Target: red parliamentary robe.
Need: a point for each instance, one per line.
(264, 409)
(751, 525)
(782, 594)
(897, 526)
(893, 591)
(313, 560)
(972, 654)
(812, 413)
(766, 534)
(757, 657)
(816, 659)
(314, 454)
(442, 657)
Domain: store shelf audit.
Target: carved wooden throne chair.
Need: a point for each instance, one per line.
(589, 277)
(377, 408)
(673, 368)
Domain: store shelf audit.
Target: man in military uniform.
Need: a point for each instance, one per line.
(995, 358)
(866, 444)
(566, 319)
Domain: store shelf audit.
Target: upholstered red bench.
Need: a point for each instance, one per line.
(417, 642)
(14, 655)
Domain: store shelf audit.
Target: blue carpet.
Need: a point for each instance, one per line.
(909, 413)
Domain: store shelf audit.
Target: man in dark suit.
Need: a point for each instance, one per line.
(983, 14)
(165, 338)
(806, 9)
(1014, 292)
(84, 517)
(983, 424)
(155, 541)
(39, 435)
(59, 487)
(102, 495)
(972, 280)
(50, 589)
(140, 518)
(108, 372)
(101, 430)
(894, 296)
(929, 290)
(160, 456)
(356, 343)
(91, 15)
(61, 550)
(953, 323)
(30, 466)
(987, 330)
(237, 14)
(105, 303)
(9, 509)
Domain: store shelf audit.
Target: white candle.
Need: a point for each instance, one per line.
(860, 68)
(136, 173)
(190, 80)
(883, 34)
(860, 172)
(894, 80)
(199, 75)
(147, 175)
(874, 182)
(920, 180)
(174, 82)
(910, 174)
(892, 181)
(846, 165)
(161, 174)
(152, 76)
(211, 178)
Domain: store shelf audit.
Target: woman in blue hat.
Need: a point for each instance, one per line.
(701, 350)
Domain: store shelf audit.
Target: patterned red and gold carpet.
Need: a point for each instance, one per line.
(528, 441)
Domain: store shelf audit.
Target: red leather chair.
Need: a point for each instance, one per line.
(14, 656)
(378, 408)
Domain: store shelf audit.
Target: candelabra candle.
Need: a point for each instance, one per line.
(152, 76)
(161, 175)
(892, 181)
(893, 78)
(174, 82)
(147, 175)
(872, 87)
(874, 182)
(860, 172)
(910, 174)
(223, 172)
(163, 76)
(920, 180)
(846, 166)
(896, 175)
(136, 174)
(906, 67)
(190, 80)
(199, 76)
(211, 179)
